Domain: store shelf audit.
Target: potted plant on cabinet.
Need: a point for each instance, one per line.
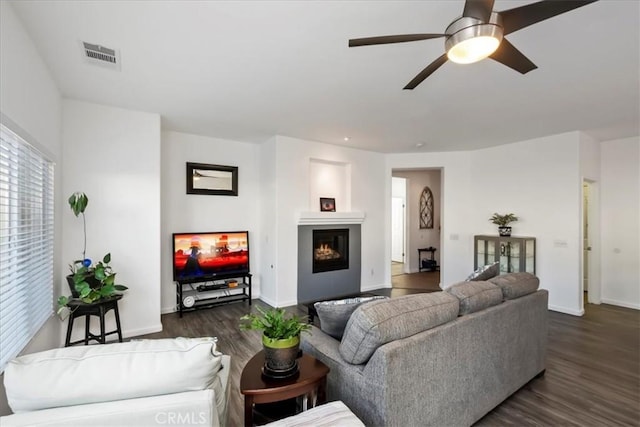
(88, 282)
(503, 221)
(280, 339)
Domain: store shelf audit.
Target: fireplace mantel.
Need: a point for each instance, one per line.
(321, 218)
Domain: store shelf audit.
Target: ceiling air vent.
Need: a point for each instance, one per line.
(100, 55)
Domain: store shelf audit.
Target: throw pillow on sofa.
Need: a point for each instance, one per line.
(475, 296)
(485, 273)
(334, 315)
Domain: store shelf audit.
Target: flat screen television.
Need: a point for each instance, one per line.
(199, 257)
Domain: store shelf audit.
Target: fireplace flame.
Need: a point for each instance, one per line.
(325, 252)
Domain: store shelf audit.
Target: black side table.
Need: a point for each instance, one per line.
(98, 308)
(427, 264)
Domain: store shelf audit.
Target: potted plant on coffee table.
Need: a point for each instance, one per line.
(88, 282)
(280, 339)
(503, 221)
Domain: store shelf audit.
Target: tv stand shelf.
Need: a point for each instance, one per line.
(193, 296)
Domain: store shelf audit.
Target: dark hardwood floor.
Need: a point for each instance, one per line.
(592, 376)
(428, 281)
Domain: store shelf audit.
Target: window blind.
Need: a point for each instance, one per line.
(26, 243)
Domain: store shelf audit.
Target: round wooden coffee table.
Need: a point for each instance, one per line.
(310, 382)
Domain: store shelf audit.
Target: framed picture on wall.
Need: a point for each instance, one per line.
(327, 204)
(214, 180)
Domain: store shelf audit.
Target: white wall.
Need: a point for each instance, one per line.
(183, 213)
(417, 237)
(456, 253)
(267, 244)
(113, 155)
(620, 222)
(539, 181)
(31, 101)
(369, 194)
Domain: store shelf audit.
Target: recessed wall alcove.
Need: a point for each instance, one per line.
(328, 179)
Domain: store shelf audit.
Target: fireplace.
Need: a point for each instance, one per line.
(330, 250)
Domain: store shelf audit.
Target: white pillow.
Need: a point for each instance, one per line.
(100, 373)
(484, 273)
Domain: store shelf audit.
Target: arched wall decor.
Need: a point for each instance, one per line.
(426, 208)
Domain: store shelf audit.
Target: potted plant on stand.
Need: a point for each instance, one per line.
(280, 339)
(88, 282)
(503, 221)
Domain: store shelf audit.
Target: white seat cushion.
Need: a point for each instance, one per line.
(189, 408)
(101, 373)
(331, 414)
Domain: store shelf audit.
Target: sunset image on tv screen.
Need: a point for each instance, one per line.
(205, 255)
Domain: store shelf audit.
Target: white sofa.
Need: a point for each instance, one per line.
(332, 414)
(181, 381)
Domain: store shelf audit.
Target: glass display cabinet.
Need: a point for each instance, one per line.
(516, 254)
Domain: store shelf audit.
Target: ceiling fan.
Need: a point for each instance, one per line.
(479, 33)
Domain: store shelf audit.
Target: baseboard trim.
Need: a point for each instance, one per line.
(620, 303)
(275, 305)
(566, 310)
(168, 310)
(132, 333)
(374, 287)
(269, 301)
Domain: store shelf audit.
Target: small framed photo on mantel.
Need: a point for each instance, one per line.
(327, 204)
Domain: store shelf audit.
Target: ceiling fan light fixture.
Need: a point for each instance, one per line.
(473, 49)
(470, 40)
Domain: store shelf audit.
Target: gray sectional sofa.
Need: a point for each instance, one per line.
(441, 359)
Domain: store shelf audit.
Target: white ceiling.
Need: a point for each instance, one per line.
(249, 70)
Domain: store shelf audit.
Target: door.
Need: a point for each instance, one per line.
(590, 242)
(397, 229)
(586, 248)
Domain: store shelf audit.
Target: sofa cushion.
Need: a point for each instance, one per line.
(334, 315)
(485, 273)
(100, 373)
(380, 322)
(475, 296)
(196, 407)
(515, 285)
(328, 415)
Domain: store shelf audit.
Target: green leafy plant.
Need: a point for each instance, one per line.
(91, 282)
(503, 220)
(275, 324)
(78, 203)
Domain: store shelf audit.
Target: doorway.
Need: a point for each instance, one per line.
(416, 206)
(590, 289)
(398, 227)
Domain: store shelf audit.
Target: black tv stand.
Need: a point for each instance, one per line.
(191, 296)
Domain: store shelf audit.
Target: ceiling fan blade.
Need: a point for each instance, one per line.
(426, 72)
(523, 16)
(479, 9)
(508, 55)
(400, 38)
